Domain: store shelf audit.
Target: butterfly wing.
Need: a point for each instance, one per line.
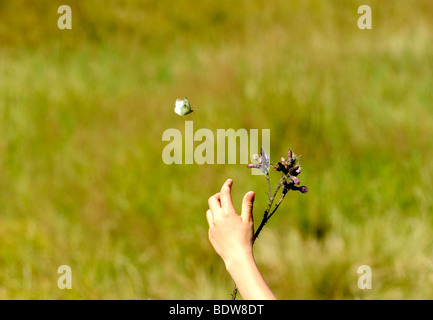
(185, 111)
(182, 107)
(186, 108)
(179, 106)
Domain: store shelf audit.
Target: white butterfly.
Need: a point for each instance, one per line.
(182, 107)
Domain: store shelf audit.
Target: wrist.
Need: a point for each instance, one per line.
(247, 277)
(239, 261)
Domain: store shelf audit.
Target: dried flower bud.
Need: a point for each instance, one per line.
(302, 189)
(291, 186)
(253, 166)
(289, 155)
(293, 171)
(295, 180)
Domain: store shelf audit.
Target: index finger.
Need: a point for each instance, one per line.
(215, 202)
(226, 198)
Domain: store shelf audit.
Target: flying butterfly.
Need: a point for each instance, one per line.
(183, 107)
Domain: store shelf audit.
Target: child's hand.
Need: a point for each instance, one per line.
(231, 234)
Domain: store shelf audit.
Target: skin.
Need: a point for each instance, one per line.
(231, 235)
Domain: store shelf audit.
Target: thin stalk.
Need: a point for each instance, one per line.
(268, 179)
(270, 203)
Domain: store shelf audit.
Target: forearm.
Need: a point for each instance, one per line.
(248, 279)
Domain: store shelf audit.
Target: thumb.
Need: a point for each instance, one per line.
(247, 206)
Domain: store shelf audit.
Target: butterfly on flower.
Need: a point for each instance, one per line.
(182, 107)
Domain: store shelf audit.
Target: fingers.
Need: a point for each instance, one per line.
(209, 218)
(215, 202)
(226, 198)
(247, 206)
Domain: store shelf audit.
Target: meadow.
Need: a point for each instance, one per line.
(82, 113)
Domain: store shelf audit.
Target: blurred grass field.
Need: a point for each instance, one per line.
(82, 113)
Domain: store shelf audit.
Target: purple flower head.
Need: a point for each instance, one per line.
(288, 167)
(262, 162)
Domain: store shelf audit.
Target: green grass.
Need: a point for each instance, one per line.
(82, 113)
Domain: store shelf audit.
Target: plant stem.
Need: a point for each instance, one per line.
(277, 205)
(266, 215)
(235, 291)
(269, 186)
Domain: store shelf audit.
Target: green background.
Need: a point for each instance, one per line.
(82, 113)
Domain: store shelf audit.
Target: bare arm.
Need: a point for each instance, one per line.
(231, 235)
